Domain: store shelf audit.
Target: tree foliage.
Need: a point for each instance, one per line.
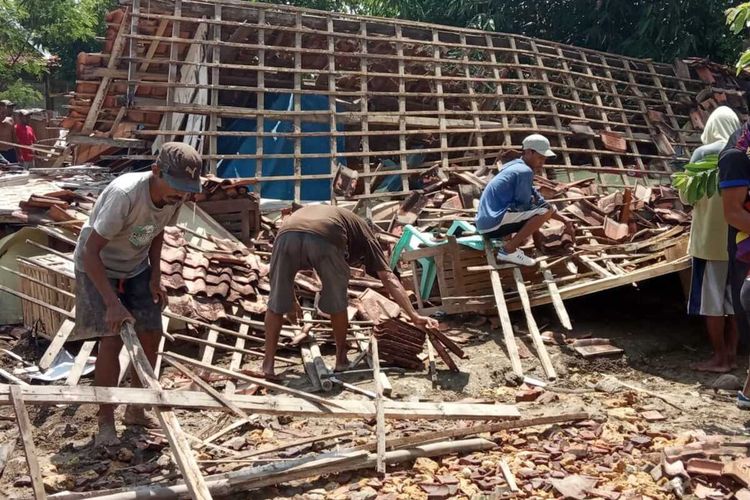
(738, 19)
(32, 30)
(660, 30)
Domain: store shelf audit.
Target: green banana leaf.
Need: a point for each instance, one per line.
(699, 180)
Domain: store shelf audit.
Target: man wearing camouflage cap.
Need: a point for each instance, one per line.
(118, 278)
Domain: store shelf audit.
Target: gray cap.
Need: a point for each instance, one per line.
(538, 143)
(181, 166)
(6, 102)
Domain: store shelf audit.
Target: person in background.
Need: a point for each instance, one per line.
(710, 289)
(734, 182)
(25, 136)
(7, 132)
(511, 204)
(118, 278)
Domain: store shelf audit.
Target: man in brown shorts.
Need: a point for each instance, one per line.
(118, 278)
(327, 239)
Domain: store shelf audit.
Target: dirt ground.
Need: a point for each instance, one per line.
(617, 446)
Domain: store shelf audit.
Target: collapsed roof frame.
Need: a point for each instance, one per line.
(461, 97)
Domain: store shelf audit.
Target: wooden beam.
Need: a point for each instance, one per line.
(536, 337)
(269, 405)
(379, 415)
(24, 427)
(80, 362)
(474, 430)
(66, 328)
(101, 92)
(254, 380)
(207, 387)
(554, 293)
(177, 441)
(502, 311)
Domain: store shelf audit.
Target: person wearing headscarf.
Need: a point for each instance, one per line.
(710, 290)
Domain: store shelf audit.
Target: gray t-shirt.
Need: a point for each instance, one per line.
(125, 215)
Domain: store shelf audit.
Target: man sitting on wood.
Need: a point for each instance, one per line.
(511, 204)
(327, 239)
(118, 277)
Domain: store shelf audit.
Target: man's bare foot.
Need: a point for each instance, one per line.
(107, 435)
(712, 366)
(138, 416)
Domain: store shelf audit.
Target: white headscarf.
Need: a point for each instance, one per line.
(722, 123)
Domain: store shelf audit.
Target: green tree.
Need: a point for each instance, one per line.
(738, 19)
(660, 30)
(34, 32)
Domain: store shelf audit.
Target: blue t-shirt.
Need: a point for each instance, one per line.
(512, 189)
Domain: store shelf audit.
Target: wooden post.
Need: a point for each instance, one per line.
(403, 166)
(101, 92)
(502, 311)
(297, 97)
(174, 53)
(536, 337)
(213, 122)
(177, 441)
(379, 415)
(24, 427)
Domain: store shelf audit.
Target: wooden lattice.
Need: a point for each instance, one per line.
(461, 98)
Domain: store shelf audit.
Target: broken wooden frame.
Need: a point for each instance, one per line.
(388, 89)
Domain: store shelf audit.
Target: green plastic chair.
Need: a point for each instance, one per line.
(412, 239)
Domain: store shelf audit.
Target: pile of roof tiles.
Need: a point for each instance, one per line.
(401, 344)
(200, 282)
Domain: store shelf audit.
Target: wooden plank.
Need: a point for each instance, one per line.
(363, 107)
(536, 338)
(80, 362)
(475, 430)
(24, 427)
(432, 367)
(509, 477)
(386, 384)
(162, 341)
(207, 387)
(379, 415)
(163, 23)
(177, 441)
(101, 92)
(297, 99)
(66, 328)
(401, 118)
(554, 293)
(236, 362)
(254, 380)
(268, 405)
(174, 51)
(502, 311)
(234, 349)
(213, 124)
(132, 54)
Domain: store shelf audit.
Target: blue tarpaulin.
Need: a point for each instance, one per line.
(311, 190)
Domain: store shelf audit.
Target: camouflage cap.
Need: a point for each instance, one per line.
(181, 166)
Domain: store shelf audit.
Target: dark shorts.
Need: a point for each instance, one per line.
(10, 155)
(295, 251)
(134, 295)
(512, 222)
(737, 273)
